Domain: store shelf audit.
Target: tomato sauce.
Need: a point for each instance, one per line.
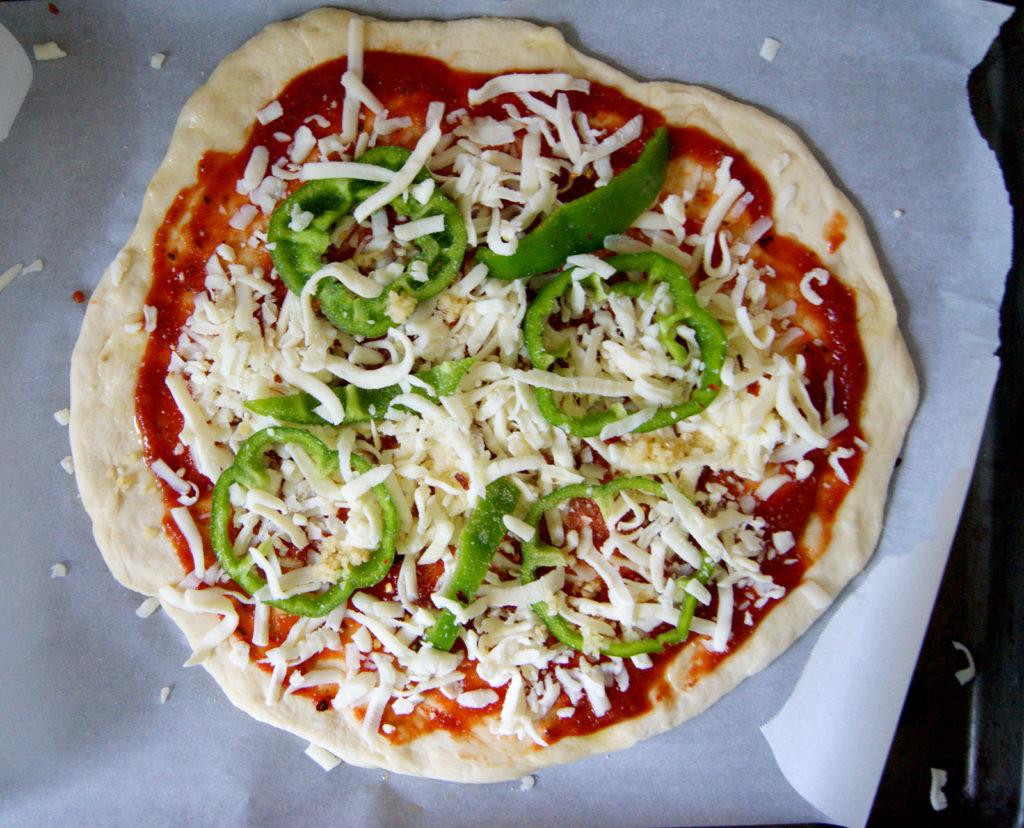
(197, 222)
(835, 232)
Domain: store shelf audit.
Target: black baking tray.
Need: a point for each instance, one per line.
(975, 732)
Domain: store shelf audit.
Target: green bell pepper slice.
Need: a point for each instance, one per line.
(478, 543)
(580, 226)
(249, 470)
(297, 253)
(710, 337)
(536, 554)
(362, 405)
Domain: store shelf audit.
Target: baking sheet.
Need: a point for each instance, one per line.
(878, 90)
(976, 730)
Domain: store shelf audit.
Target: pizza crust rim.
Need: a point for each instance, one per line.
(126, 506)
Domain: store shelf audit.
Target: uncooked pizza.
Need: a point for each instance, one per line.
(473, 407)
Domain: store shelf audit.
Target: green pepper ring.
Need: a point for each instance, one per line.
(478, 543)
(580, 226)
(710, 337)
(361, 405)
(535, 556)
(249, 470)
(296, 253)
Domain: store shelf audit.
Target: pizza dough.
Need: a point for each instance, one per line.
(127, 505)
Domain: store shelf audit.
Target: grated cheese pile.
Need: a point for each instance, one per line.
(242, 342)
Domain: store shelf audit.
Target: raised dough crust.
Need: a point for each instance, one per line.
(126, 507)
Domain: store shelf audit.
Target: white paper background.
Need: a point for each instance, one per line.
(878, 89)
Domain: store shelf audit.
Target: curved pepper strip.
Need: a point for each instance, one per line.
(710, 337)
(249, 470)
(297, 253)
(580, 226)
(477, 544)
(362, 404)
(537, 554)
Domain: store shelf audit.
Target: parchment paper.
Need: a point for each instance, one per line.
(16, 74)
(876, 88)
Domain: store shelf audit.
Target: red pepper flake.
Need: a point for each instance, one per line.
(78, 296)
(53, 8)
